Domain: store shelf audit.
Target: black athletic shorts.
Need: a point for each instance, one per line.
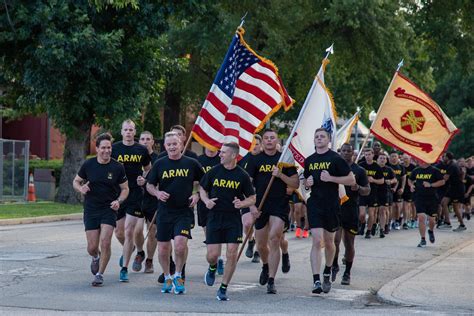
(148, 213)
(349, 218)
(223, 228)
(202, 213)
(397, 198)
(429, 206)
(264, 218)
(456, 194)
(174, 223)
(369, 200)
(133, 204)
(407, 196)
(441, 192)
(326, 219)
(384, 199)
(93, 219)
(280, 209)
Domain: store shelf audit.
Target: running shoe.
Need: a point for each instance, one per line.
(149, 266)
(292, 227)
(220, 266)
(250, 246)
(397, 226)
(210, 277)
(256, 257)
(382, 235)
(367, 235)
(161, 278)
(326, 283)
(285, 262)
(123, 275)
(299, 232)
(334, 271)
(137, 263)
(405, 226)
(222, 294)
(431, 235)
(346, 279)
(263, 276)
(422, 244)
(167, 286)
(178, 284)
(373, 229)
(98, 280)
(305, 233)
(446, 226)
(317, 289)
(468, 216)
(362, 229)
(460, 228)
(95, 263)
(271, 288)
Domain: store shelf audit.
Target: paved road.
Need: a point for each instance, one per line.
(44, 269)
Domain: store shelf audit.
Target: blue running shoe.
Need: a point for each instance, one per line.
(220, 266)
(167, 286)
(178, 284)
(222, 294)
(210, 277)
(123, 275)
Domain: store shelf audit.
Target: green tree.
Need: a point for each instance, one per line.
(82, 67)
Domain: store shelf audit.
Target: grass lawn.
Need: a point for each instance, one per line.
(17, 210)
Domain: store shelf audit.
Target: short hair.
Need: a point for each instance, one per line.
(178, 127)
(269, 130)
(234, 146)
(347, 145)
(383, 153)
(322, 129)
(170, 134)
(257, 136)
(394, 152)
(369, 149)
(449, 155)
(147, 133)
(101, 137)
(128, 121)
(376, 143)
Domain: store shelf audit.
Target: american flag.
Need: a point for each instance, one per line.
(246, 92)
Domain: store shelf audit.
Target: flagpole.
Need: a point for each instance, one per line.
(329, 50)
(400, 65)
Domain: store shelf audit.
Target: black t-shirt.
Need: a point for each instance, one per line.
(325, 195)
(361, 180)
(260, 168)
(104, 183)
(176, 177)
(187, 153)
(388, 174)
(399, 172)
(373, 170)
(429, 174)
(150, 201)
(467, 181)
(133, 158)
(408, 171)
(208, 162)
(443, 168)
(454, 181)
(245, 160)
(225, 185)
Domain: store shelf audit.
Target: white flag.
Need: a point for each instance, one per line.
(343, 134)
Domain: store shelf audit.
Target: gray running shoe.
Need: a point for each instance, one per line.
(317, 289)
(422, 244)
(95, 263)
(460, 228)
(250, 246)
(271, 288)
(326, 283)
(98, 280)
(149, 266)
(222, 295)
(334, 271)
(256, 257)
(346, 279)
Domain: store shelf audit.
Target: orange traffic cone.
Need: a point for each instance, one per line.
(31, 190)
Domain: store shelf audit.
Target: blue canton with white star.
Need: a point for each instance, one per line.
(237, 60)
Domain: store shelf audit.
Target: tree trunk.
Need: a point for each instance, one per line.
(75, 152)
(172, 108)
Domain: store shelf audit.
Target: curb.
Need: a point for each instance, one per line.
(385, 294)
(41, 219)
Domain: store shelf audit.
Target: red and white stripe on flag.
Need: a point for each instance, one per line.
(247, 91)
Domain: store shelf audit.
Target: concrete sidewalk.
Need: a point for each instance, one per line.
(441, 283)
(41, 219)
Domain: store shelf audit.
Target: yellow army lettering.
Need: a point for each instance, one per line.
(129, 158)
(397, 172)
(222, 183)
(422, 176)
(265, 168)
(324, 165)
(175, 173)
(371, 172)
(385, 174)
(184, 232)
(206, 169)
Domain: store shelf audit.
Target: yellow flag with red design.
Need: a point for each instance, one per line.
(408, 119)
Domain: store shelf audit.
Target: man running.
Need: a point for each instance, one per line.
(349, 216)
(136, 160)
(384, 194)
(408, 205)
(424, 180)
(225, 189)
(394, 163)
(103, 183)
(375, 177)
(273, 218)
(324, 171)
(171, 180)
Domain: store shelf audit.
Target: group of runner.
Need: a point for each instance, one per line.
(127, 185)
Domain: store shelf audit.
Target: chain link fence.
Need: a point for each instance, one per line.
(14, 169)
